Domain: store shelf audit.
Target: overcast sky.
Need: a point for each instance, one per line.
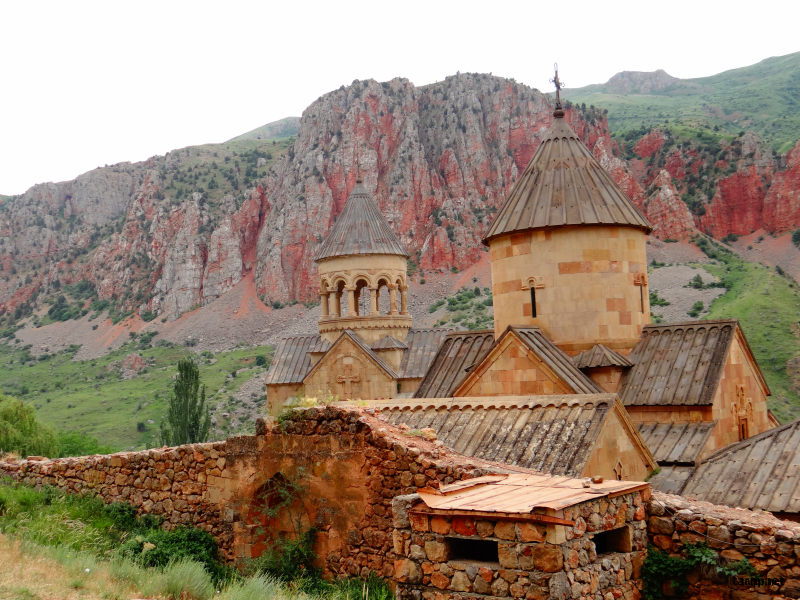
(86, 84)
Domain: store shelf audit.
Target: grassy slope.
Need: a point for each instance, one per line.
(764, 97)
(767, 305)
(93, 398)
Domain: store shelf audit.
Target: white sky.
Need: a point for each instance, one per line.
(91, 83)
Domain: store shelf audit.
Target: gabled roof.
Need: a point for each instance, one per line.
(353, 337)
(600, 356)
(291, 361)
(676, 443)
(552, 434)
(551, 355)
(422, 347)
(678, 364)
(459, 351)
(760, 472)
(388, 342)
(564, 185)
(360, 229)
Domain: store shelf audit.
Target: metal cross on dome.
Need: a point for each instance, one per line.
(559, 84)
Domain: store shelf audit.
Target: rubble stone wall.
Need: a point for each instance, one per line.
(770, 545)
(536, 561)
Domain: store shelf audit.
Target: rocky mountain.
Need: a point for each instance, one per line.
(162, 237)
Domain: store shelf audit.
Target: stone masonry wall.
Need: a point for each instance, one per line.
(535, 561)
(771, 545)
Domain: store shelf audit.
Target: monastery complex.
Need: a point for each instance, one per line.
(573, 379)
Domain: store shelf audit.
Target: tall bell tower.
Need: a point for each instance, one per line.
(363, 275)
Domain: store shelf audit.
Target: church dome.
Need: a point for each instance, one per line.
(360, 229)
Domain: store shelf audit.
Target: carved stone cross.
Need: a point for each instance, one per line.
(347, 379)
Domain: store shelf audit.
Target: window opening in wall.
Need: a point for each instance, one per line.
(533, 302)
(641, 298)
(483, 551)
(614, 540)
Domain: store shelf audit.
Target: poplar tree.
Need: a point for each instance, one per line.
(188, 419)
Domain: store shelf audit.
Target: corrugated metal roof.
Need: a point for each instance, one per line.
(459, 351)
(388, 342)
(600, 356)
(564, 185)
(521, 494)
(291, 361)
(676, 443)
(422, 347)
(670, 479)
(678, 364)
(552, 434)
(360, 229)
(760, 472)
(555, 358)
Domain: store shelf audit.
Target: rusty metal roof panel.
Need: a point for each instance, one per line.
(556, 359)
(552, 434)
(521, 493)
(360, 229)
(600, 356)
(459, 351)
(761, 472)
(676, 443)
(291, 361)
(678, 364)
(423, 344)
(564, 185)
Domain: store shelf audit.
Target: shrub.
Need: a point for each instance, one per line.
(182, 580)
(159, 548)
(20, 431)
(696, 309)
(261, 360)
(79, 444)
(289, 560)
(795, 238)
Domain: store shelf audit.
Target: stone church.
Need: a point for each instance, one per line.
(573, 379)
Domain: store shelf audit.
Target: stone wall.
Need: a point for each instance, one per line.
(348, 464)
(771, 545)
(535, 561)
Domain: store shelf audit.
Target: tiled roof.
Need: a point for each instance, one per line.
(555, 358)
(551, 434)
(521, 493)
(678, 364)
(676, 443)
(670, 479)
(459, 351)
(422, 347)
(600, 356)
(564, 185)
(388, 342)
(360, 229)
(291, 361)
(760, 472)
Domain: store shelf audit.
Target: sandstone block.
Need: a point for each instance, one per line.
(435, 551)
(548, 558)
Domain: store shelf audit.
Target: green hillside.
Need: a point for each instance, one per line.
(767, 304)
(283, 128)
(764, 98)
(122, 410)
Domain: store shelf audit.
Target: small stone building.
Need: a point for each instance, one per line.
(521, 536)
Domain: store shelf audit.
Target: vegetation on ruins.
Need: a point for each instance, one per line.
(108, 550)
(665, 575)
(188, 419)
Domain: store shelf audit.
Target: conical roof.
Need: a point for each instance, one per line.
(564, 185)
(360, 229)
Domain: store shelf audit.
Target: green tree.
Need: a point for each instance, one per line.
(21, 432)
(188, 418)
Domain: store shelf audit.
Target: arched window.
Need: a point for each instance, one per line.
(383, 296)
(362, 298)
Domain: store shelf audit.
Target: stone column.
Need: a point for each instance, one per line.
(392, 300)
(351, 302)
(337, 304)
(403, 301)
(323, 303)
(373, 301)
